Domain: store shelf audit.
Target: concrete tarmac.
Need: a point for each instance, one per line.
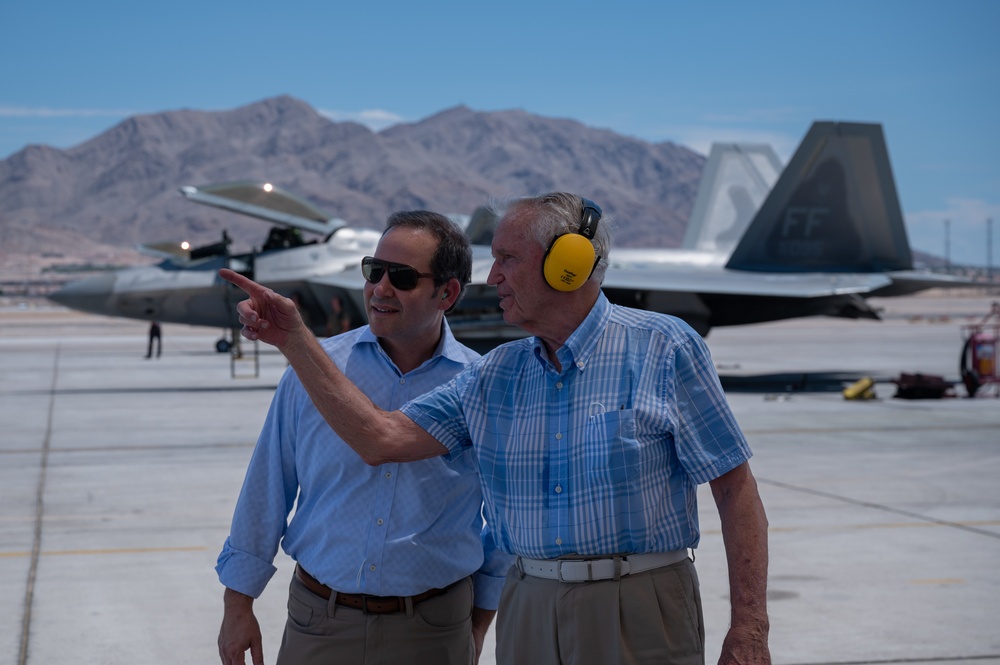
(118, 476)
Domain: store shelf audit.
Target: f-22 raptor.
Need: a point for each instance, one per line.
(763, 243)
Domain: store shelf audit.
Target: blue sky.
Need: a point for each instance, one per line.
(688, 72)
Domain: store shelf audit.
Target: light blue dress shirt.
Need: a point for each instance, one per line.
(389, 530)
(603, 457)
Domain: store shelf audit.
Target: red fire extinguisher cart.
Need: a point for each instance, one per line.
(978, 364)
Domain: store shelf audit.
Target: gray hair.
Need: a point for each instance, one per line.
(560, 213)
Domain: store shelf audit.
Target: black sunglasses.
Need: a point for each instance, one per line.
(401, 276)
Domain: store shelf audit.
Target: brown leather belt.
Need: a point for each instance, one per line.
(361, 601)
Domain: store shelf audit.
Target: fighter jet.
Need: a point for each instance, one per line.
(763, 243)
(185, 287)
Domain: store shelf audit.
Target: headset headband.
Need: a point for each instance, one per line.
(589, 218)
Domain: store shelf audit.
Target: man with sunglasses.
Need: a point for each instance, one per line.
(591, 438)
(394, 564)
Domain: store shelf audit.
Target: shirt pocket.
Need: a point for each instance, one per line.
(613, 455)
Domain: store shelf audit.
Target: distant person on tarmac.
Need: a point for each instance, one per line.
(154, 334)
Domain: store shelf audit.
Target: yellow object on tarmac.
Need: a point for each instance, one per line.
(863, 388)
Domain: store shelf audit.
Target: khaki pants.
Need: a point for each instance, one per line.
(318, 631)
(650, 617)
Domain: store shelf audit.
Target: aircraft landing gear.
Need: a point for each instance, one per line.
(230, 344)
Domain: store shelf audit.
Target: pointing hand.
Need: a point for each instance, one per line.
(265, 315)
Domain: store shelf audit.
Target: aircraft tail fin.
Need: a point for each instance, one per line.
(833, 209)
(734, 184)
(481, 226)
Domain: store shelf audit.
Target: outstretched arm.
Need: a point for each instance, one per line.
(744, 532)
(377, 436)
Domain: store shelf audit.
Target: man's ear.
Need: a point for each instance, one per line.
(450, 291)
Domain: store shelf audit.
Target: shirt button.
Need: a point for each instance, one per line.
(558, 436)
(558, 541)
(372, 568)
(379, 521)
(559, 385)
(388, 474)
(558, 489)
(580, 365)
(402, 381)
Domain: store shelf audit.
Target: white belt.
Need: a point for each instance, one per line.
(605, 568)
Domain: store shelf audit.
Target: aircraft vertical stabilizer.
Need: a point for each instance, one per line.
(734, 184)
(833, 209)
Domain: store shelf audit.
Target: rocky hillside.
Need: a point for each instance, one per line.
(95, 201)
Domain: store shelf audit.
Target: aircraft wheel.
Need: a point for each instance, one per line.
(223, 345)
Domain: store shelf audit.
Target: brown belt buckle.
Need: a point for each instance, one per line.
(378, 610)
(364, 605)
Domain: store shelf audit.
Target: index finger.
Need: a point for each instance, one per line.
(251, 287)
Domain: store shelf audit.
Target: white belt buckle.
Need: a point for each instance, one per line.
(615, 573)
(560, 564)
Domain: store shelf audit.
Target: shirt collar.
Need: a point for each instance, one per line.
(448, 346)
(582, 342)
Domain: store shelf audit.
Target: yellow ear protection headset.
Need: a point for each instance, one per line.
(570, 259)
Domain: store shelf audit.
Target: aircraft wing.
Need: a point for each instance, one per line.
(728, 282)
(906, 282)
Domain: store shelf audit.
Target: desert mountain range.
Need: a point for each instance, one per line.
(97, 200)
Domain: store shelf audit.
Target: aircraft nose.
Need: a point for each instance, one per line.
(87, 295)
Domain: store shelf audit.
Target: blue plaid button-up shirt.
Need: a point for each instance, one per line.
(603, 457)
